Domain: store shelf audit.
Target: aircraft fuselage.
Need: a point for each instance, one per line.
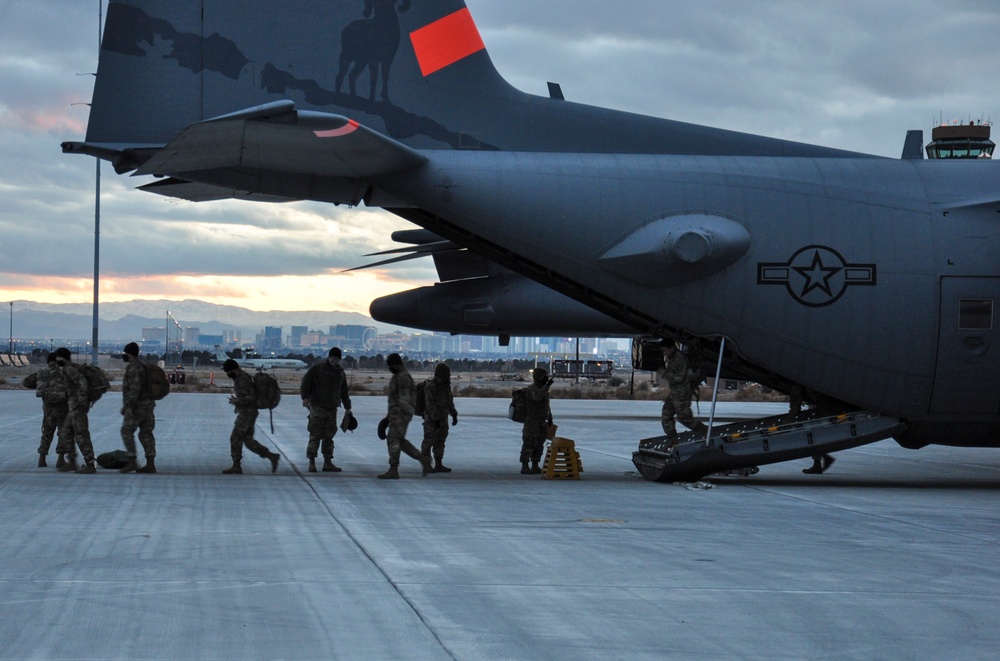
(863, 279)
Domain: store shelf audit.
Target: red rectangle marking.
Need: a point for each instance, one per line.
(446, 41)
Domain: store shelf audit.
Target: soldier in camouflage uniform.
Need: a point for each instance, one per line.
(323, 390)
(52, 389)
(677, 374)
(402, 399)
(538, 416)
(245, 401)
(137, 412)
(438, 405)
(77, 396)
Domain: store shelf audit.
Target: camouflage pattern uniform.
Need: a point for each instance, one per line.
(246, 417)
(53, 390)
(536, 421)
(438, 405)
(677, 375)
(402, 400)
(79, 405)
(324, 386)
(137, 409)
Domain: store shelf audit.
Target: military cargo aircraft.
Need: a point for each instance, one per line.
(868, 284)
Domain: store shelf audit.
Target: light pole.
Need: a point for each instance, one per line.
(10, 349)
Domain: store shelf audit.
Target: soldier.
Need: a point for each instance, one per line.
(402, 399)
(536, 421)
(677, 373)
(52, 389)
(323, 390)
(245, 401)
(137, 411)
(78, 400)
(438, 405)
(821, 460)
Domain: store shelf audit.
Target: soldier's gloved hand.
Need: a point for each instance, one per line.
(232, 399)
(306, 403)
(454, 419)
(550, 382)
(123, 409)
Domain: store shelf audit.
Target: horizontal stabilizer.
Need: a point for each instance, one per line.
(277, 138)
(195, 192)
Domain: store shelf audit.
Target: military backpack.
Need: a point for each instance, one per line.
(157, 382)
(421, 400)
(518, 409)
(97, 381)
(268, 393)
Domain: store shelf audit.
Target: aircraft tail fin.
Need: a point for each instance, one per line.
(388, 64)
(414, 71)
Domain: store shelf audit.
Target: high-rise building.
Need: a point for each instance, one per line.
(272, 338)
(297, 333)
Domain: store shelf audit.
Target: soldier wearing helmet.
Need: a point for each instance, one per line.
(439, 403)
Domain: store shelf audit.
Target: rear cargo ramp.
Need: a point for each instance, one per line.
(747, 444)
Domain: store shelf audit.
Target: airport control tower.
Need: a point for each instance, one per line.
(970, 140)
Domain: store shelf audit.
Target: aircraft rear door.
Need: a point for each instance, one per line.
(968, 361)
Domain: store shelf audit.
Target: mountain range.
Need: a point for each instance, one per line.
(125, 321)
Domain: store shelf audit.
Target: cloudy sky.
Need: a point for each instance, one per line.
(852, 74)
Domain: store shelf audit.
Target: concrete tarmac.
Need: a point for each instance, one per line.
(893, 554)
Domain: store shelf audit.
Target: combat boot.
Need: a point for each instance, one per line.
(535, 469)
(69, 466)
(41, 460)
(312, 464)
(60, 461)
(150, 466)
(525, 470)
(130, 466)
(235, 469)
(86, 468)
(815, 469)
(274, 457)
(329, 467)
(391, 474)
(440, 467)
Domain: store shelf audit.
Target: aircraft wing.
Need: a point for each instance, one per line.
(277, 138)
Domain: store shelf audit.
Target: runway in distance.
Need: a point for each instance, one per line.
(260, 363)
(868, 283)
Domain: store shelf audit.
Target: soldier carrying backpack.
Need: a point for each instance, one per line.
(137, 411)
(78, 426)
(245, 401)
(680, 380)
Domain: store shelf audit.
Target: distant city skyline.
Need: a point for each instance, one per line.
(236, 327)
